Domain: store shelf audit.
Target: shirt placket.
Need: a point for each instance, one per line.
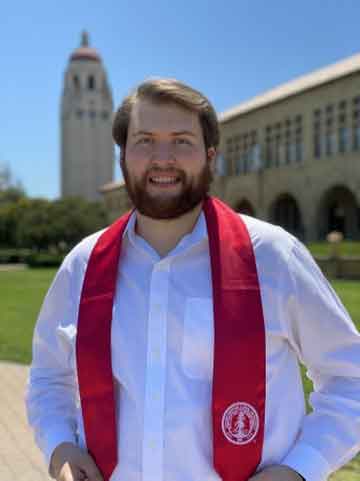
(154, 406)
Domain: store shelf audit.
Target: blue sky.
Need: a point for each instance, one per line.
(231, 50)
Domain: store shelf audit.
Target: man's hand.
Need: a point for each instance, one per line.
(70, 463)
(276, 473)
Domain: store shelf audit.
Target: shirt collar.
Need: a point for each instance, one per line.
(197, 235)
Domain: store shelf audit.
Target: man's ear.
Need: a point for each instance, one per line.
(211, 155)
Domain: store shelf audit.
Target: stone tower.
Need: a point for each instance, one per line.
(87, 149)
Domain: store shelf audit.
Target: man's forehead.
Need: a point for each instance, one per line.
(151, 115)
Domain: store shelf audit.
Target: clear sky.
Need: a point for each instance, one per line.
(231, 50)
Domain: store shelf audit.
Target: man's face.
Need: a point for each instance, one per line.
(166, 168)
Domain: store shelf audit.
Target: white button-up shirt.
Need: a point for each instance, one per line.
(162, 355)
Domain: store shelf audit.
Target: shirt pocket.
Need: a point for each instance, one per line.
(198, 340)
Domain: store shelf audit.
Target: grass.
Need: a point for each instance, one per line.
(349, 293)
(22, 293)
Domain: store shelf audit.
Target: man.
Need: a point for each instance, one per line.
(167, 345)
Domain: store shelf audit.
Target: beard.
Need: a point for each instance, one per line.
(192, 193)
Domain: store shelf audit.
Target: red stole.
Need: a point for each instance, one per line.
(238, 401)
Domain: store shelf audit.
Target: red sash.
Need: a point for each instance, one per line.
(238, 402)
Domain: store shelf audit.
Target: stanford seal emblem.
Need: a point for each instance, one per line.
(240, 423)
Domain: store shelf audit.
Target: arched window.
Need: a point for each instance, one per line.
(91, 82)
(76, 82)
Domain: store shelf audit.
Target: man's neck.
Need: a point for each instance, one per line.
(164, 234)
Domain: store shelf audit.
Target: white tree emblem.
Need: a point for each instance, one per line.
(240, 423)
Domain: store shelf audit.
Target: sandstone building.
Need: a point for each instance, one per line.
(87, 150)
(291, 156)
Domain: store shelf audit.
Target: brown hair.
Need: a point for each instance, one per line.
(165, 90)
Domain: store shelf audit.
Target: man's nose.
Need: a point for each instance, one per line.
(163, 152)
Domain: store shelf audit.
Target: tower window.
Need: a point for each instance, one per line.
(76, 82)
(91, 82)
(105, 115)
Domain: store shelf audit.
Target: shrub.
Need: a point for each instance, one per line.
(44, 260)
(13, 256)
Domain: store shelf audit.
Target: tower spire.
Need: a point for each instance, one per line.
(84, 39)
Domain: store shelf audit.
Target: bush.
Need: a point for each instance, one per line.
(44, 260)
(13, 256)
(40, 224)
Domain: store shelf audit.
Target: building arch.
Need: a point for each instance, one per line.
(244, 206)
(338, 210)
(284, 211)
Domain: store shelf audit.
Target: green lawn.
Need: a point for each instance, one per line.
(21, 296)
(22, 293)
(346, 248)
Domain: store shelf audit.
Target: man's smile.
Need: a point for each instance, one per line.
(164, 180)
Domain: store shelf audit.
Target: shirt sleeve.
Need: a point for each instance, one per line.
(51, 397)
(328, 344)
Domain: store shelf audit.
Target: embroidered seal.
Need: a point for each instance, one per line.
(240, 423)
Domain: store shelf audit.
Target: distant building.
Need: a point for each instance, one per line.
(87, 149)
(291, 156)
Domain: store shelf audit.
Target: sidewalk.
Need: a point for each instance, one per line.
(12, 267)
(20, 459)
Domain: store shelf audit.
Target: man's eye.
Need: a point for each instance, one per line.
(144, 141)
(180, 141)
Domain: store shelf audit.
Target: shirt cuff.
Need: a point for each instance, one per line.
(308, 462)
(54, 437)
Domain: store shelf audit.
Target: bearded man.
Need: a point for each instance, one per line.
(167, 347)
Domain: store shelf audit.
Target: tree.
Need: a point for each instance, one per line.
(74, 218)
(5, 177)
(42, 224)
(8, 224)
(10, 193)
(10, 189)
(34, 224)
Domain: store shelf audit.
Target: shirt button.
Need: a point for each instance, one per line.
(156, 353)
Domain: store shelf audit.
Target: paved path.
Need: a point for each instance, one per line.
(13, 267)
(20, 459)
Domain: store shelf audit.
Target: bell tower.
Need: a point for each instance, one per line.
(87, 149)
